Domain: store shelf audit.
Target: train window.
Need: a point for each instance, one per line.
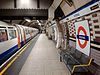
(12, 34)
(3, 35)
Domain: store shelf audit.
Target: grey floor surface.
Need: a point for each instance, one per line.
(44, 59)
(15, 68)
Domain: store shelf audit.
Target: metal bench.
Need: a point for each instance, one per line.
(76, 61)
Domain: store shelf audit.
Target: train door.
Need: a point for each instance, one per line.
(19, 36)
(24, 35)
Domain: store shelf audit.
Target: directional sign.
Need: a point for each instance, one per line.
(82, 37)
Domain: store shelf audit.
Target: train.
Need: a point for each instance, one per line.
(12, 38)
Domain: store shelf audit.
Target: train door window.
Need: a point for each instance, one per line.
(26, 30)
(3, 34)
(32, 31)
(12, 33)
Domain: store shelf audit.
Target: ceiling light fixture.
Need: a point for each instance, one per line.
(27, 19)
(38, 21)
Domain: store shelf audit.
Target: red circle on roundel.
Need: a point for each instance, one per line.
(85, 43)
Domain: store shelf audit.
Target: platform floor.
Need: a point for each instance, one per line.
(44, 59)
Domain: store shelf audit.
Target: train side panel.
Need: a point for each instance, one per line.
(8, 41)
(12, 38)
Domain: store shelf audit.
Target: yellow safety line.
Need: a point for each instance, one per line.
(10, 63)
(0, 74)
(83, 65)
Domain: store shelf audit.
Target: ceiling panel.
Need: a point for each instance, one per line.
(45, 3)
(27, 4)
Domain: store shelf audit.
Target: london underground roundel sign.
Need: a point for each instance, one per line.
(82, 37)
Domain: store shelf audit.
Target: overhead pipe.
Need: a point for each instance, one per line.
(15, 3)
(38, 3)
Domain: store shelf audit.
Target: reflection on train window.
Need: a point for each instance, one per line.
(3, 35)
(12, 34)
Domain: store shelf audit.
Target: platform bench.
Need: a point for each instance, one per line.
(76, 61)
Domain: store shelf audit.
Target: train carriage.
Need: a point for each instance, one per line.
(13, 37)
